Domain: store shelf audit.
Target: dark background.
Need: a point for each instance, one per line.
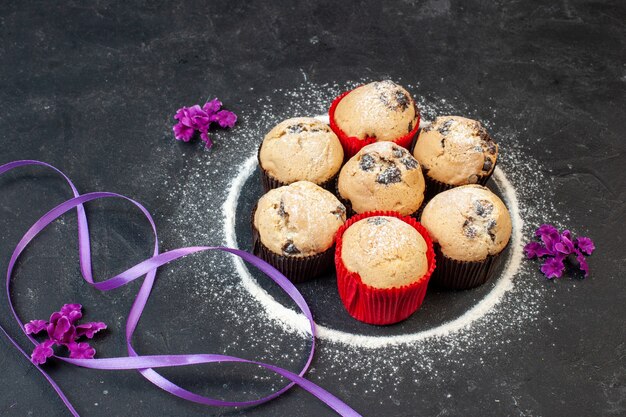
(90, 87)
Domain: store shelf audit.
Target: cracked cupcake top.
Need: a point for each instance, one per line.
(385, 251)
(382, 176)
(302, 148)
(381, 110)
(299, 219)
(469, 223)
(456, 151)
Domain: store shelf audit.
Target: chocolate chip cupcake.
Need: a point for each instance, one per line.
(379, 111)
(455, 151)
(382, 176)
(384, 262)
(470, 227)
(294, 228)
(300, 149)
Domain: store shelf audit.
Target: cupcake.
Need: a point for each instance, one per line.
(384, 262)
(455, 151)
(381, 176)
(379, 111)
(470, 227)
(300, 149)
(293, 229)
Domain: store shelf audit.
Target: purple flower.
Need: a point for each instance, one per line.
(35, 326)
(182, 132)
(81, 350)
(553, 267)
(89, 329)
(62, 331)
(212, 107)
(585, 245)
(199, 119)
(558, 247)
(42, 352)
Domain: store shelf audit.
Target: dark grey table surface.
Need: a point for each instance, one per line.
(91, 88)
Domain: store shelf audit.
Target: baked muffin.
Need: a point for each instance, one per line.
(379, 111)
(300, 149)
(455, 151)
(294, 228)
(382, 176)
(470, 226)
(384, 262)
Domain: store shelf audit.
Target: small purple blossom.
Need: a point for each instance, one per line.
(558, 247)
(199, 119)
(553, 267)
(62, 330)
(35, 326)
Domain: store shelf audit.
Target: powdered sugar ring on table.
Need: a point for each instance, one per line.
(294, 321)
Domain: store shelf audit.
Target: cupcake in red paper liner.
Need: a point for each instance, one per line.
(381, 177)
(300, 149)
(455, 151)
(379, 111)
(384, 262)
(470, 227)
(293, 229)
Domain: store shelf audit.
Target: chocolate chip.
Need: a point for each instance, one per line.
(390, 175)
(297, 128)
(397, 152)
(444, 129)
(487, 165)
(410, 126)
(367, 162)
(402, 99)
(469, 229)
(490, 226)
(483, 207)
(340, 212)
(472, 179)
(428, 128)
(281, 209)
(492, 148)
(409, 163)
(443, 143)
(290, 249)
(377, 220)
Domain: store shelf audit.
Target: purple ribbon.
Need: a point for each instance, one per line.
(145, 364)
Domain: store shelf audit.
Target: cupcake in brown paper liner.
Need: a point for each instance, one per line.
(300, 149)
(293, 229)
(470, 227)
(384, 262)
(379, 111)
(455, 151)
(381, 176)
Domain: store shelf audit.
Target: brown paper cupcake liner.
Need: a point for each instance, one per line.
(462, 275)
(434, 187)
(381, 306)
(269, 182)
(297, 269)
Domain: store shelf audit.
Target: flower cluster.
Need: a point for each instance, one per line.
(198, 119)
(557, 247)
(63, 331)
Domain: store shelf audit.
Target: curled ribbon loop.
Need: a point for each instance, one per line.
(148, 268)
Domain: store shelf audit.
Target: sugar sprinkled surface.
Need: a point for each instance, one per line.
(372, 362)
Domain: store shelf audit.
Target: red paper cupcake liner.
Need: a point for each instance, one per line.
(296, 268)
(351, 144)
(434, 187)
(462, 275)
(381, 305)
(269, 182)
